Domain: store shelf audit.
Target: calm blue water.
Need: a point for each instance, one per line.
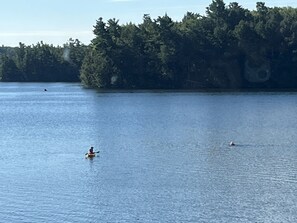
(164, 157)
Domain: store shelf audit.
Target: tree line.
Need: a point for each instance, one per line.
(42, 62)
(227, 48)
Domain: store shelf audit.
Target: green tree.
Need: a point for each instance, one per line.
(9, 71)
(97, 70)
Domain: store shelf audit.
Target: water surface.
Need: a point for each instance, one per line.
(164, 156)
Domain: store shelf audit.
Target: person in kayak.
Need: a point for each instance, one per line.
(91, 150)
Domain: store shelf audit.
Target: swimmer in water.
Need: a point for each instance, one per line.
(231, 143)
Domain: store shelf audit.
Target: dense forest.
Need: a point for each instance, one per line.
(42, 62)
(227, 48)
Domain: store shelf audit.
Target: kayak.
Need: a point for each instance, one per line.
(90, 155)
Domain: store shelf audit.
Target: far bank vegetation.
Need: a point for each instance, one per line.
(227, 48)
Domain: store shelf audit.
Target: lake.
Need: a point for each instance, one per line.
(164, 156)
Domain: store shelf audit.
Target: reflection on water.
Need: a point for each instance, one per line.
(164, 157)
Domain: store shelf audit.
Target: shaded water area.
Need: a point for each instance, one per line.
(164, 156)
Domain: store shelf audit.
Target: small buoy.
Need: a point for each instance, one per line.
(232, 143)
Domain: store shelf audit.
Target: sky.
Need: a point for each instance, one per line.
(55, 21)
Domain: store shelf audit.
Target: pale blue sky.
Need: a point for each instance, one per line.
(55, 21)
